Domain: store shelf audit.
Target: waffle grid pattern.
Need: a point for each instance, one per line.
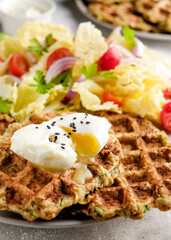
(36, 193)
(144, 178)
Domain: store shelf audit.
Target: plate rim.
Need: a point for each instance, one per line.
(146, 35)
(15, 219)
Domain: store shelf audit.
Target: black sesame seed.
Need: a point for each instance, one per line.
(36, 127)
(57, 133)
(55, 138)
(69, 133)
(74, 118)
(53, 123)
(63, 144)
(62, 147)
(72, 124)
(65, 134)
(81, 122)
(68, 136)
(48, 127)
(74, 127)
(87, 122)
(74, 130)
(61, 118)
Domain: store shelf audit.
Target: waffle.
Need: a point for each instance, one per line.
(5, 121)
(36, 193)
(144, 174)
(109, 1)
(144, 15)
(156, 12)
(122, 14)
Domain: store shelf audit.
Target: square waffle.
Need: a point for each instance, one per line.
(156, 12)
(121, 14)
(34, 192)
(144, 177)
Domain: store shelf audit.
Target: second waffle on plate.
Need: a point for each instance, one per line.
(144, 177)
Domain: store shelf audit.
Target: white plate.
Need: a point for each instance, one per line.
(154, 36)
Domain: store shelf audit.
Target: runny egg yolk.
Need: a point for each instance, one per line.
(85, 144)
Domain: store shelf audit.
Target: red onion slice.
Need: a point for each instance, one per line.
(15, 79)
(60, 66)
(71, 94)
(125, 52)
(139, 48)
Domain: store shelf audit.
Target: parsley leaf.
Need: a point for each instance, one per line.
(49, 40)
(89, 71)
(108, 74)
(129, 35)
(92, 71)
(2, 34)
(42, 86)
(64, 78)
(67, 82)
(38, 48)
(5, 105)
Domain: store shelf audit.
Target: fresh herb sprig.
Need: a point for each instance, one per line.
(42, 87)
(92, 71)
(38, 48)
(5, 105)
(129, 35)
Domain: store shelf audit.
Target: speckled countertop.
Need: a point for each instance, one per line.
(156, 225)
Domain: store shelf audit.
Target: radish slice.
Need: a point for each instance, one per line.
(71, 94)
(139, 48)
(15, 79)
(60, 66)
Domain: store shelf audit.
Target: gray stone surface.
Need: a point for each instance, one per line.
(155, 226)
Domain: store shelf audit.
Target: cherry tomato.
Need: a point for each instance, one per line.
(108, 97)
(110, 59)
(59, 53)
(1, 60)
(167, 93)
(166, 116)
(18, 65)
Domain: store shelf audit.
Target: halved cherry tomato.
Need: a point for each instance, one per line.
(1, 60)
(166, 116)
(108, 97)
(18, 65)
(59, 53)
(167, 93)
(110, 59)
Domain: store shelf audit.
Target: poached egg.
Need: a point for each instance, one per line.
(58, 143)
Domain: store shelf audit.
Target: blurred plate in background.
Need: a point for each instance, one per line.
(147, 35)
